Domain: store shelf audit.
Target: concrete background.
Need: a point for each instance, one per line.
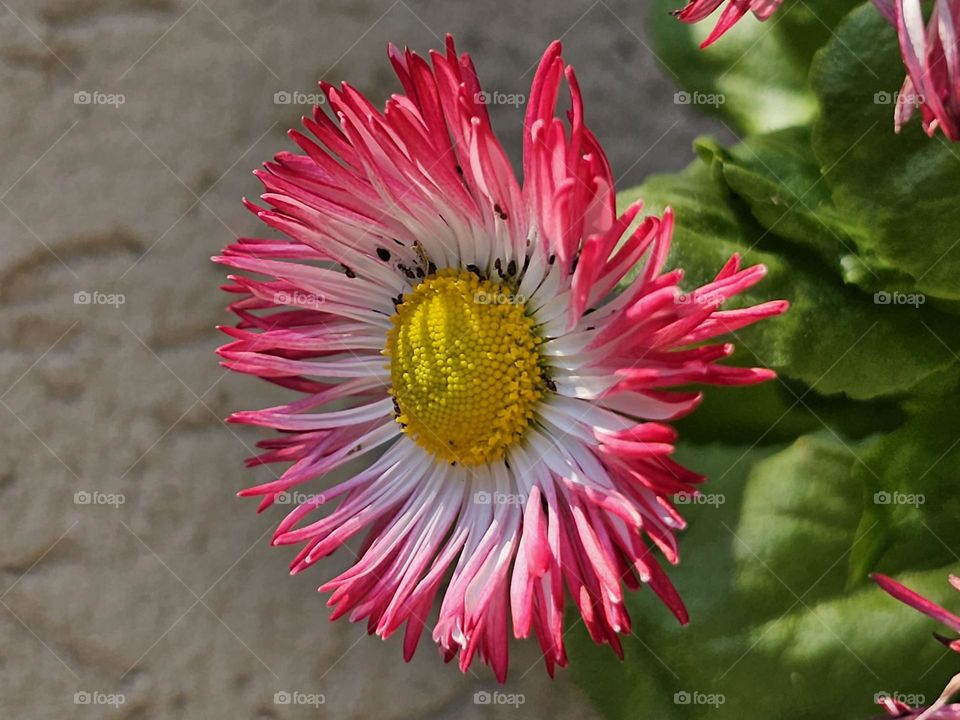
(173, 598)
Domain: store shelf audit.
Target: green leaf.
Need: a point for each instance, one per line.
(776, 175)
(804, 497)
(775, 632)
(835, 338)
(755, 76)
(899, 191)
(911, 480)
(771, 412)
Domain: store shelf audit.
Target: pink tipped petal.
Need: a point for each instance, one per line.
(932, 59)
(697, 10)
(917, 601)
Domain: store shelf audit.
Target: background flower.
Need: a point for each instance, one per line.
(697, 10)
(930, 53)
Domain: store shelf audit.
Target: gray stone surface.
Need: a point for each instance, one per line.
(174, 598)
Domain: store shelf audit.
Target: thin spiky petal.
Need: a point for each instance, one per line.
(697, 10)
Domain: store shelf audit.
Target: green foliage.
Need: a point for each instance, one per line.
(911, 477)
(899, 190)
(848, 463)
(777, 629)
(836, 338)
(759, 69)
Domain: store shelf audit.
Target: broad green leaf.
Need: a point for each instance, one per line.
(900, 191)
(776, 631)
(776, 412)
(911, 480)
(835, 338)
(755, 76)
(777, 176)
(804, 497)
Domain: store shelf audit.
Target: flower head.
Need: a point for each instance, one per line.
(931, 53)
(461, 353)
(697, 10)
(941, 709)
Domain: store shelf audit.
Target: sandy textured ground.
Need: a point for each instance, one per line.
(173, 598)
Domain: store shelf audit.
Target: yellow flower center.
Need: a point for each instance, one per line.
(465, 367)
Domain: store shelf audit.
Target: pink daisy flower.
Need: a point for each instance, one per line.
(697, 10)
(459, 348)
(931, 52)
(941, 709)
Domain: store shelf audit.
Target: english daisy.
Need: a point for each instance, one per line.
(697, 10)
(941, 709)
(459, 347)
(931, 53)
